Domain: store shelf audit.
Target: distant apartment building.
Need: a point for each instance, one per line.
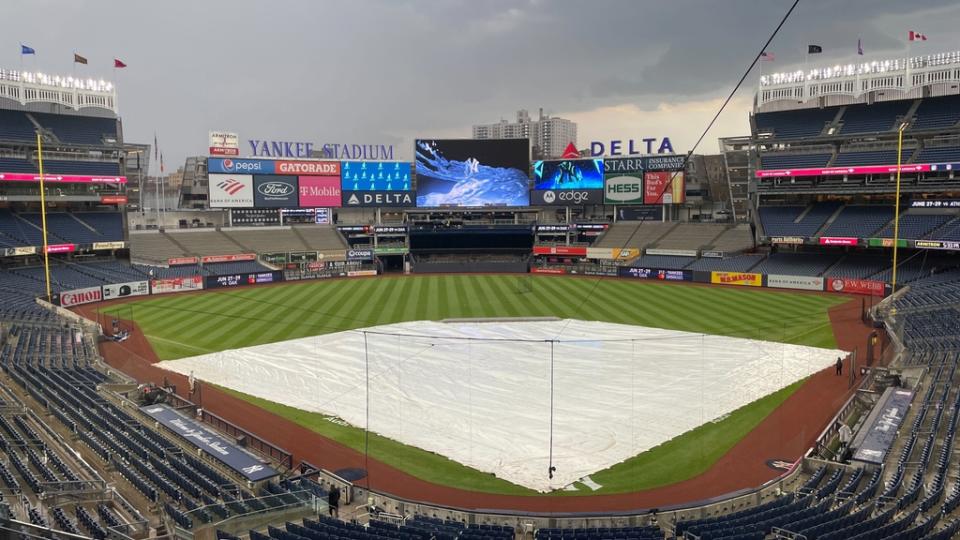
(548, 136)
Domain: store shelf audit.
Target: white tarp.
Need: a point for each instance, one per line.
(479, 393)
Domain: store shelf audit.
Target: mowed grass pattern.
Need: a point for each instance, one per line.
(192, 324)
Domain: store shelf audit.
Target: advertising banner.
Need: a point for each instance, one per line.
(378, 198)
(885, 242)
(576, 251)
(673, 252)
(745, 279)
(177, 284)
(113, 199)
(656, 273)
(231, 190)
(392, 250)
(228, 258)
(838, 241)
(937, 244)
(62, 178)
(108, 245)
(613, 253)
(712, 254)
(935, 203)
(80, 296)
(310, 168)
(210, 442)
(658, 189)
(796, 240)
(472, 172)
(240, 166)
(842, 171)
(639, 213)
(566, 197)
(21, 251)
(224, 143)
(855, 286)
(551, 270)
(182, 261)
(361, 273)
(236, 280)
(563, 229)
(623, 189)
(802, 283)
(321, 191)
(581, 174)
(672, 162)
(121, 290)
(390, 229)
(881, 427)
(375, 176)
(61, 248)
(275, 191)
(364, 254)
(322, 216)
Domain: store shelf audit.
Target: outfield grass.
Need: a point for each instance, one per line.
(188, 325)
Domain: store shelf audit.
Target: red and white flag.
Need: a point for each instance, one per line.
(917, 36)
(767, 57)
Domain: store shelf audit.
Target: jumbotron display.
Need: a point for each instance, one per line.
(467, 172)
(568, 174)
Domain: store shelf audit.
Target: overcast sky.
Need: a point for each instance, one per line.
(388, 71)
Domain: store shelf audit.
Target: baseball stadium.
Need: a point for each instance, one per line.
(485, 341)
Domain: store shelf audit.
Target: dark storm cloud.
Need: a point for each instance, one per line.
(381, 71)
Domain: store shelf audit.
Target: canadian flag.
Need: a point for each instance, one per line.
(917, 36)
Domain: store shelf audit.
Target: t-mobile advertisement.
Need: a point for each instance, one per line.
(323, 191)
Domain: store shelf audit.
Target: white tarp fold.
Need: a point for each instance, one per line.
(479, 393)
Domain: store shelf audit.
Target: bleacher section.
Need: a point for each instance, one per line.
(939, 154)
(915, 226)
(737, 238)
(793, 161)
(740, 263)
(633, 234)
(320, 237)
(872, 157)
(26, 229)
(859, 221)
(797, 264)
(937, 113)
(89, 168)
(78, 129)
(267, 240)
(873, 118)
(691, 235)
(794, 124)
(15, 126)
(786, 220)
(201, 242)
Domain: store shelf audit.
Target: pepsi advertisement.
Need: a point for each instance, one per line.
(240, 166)
(472, 172)
(568, 174)
(375, 176)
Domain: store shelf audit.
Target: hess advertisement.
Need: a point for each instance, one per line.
(472, 172)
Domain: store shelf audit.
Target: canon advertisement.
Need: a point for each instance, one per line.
(80, 296)
(121, 290)
(564, 197)
(378, 198)
(275, 191)
(237, 280)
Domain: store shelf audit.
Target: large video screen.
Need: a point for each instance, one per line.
(375, 176)
(568, 174)
(470, 172)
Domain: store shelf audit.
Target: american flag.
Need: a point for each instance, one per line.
(766, 57)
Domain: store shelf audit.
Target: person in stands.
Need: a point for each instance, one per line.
(333, 501)
(839, 366)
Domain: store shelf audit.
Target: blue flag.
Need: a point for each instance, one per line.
(26, 50)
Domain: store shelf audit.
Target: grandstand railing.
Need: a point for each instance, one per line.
(275, 507)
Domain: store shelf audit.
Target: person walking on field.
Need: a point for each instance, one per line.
(839, 366)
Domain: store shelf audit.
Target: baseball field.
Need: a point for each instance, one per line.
(185, 325)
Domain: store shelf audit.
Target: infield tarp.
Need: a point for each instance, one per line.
(479, 393)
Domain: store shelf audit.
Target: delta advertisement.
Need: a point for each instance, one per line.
(177, 284)
(376, 184)
(656, 273)
(472, 172)
(745, 279)
(122, 290)
(856, 286)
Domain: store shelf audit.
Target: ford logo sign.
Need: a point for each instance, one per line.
(275, 189)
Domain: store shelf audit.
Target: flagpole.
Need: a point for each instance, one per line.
(43, 215)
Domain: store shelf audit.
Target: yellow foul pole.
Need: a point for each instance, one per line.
(896, 209)
(43, 215)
